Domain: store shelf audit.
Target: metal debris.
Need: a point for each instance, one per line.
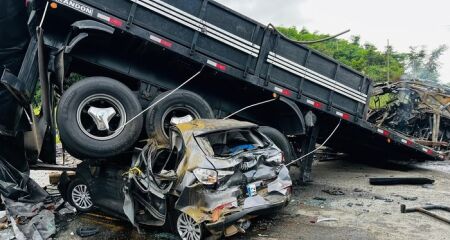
(319, 198)
(383, 198)
(87, 231)
(334, 191)
(326, 219)
(405, 197)
(426, 210)
(30, 220)
(402, 180)
(418, 109)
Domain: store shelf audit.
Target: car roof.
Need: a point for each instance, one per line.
(205, 126)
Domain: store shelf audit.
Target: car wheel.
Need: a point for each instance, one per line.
(91, 114)
(188, 229)
(280, 141)
(180, 104)
(79, 196)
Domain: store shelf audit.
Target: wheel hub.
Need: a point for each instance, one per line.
(188, 228)
(101, 117)
(81, 197)
(176, 115)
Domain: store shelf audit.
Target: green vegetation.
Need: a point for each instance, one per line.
(378, 102)
(424, 65)
(365, 58)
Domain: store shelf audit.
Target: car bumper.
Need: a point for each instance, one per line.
(274, 203)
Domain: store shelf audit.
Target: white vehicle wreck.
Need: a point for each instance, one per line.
(215, 176)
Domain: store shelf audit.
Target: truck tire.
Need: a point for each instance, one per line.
(280, 141)
(90, 115)
(180, 104)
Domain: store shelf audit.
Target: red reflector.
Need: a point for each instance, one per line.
(428, 151)
(163, 42)
(286, 92)
(166, 43)
(344, 116)
(221, 67)
(407, 142)
(283, 91)
(384, 132)
(116, 22)
(314, 103)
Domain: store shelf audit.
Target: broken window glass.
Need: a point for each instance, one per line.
(230, 143)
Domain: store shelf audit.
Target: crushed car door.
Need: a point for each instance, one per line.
(151, 178)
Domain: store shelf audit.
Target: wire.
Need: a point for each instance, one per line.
(315, 150)
(250, 106)
(154, 104)
(43, 16)
(308, 42)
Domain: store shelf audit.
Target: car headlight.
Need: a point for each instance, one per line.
(210, 176)
(277, 158)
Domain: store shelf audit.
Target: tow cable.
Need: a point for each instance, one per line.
(315, 150)
(302, 157)
(154, 104)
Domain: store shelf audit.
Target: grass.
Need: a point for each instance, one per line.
(37, 111)
(380, 101)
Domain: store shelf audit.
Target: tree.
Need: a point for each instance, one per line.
(422, 65)
(365, 58)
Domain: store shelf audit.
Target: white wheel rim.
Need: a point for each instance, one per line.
(86, 122)
(187, 228)
(179, 112)
(81, 197)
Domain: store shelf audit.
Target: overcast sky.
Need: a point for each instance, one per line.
(404, 22)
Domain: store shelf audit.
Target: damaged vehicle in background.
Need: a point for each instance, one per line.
(418, 109)
(215, 176)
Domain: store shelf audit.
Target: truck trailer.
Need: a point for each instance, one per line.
(130, 54)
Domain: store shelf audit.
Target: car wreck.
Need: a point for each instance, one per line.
(213, 178)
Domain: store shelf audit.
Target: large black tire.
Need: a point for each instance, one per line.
(79, 133)
(280, 141)
(180, 103)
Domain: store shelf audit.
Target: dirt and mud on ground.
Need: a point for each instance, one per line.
(341, 194)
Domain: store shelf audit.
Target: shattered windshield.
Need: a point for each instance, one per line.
(232, 142)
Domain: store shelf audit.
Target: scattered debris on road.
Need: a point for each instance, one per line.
(403, 180)
(334, 191)
(405, 197)
(427, 210)
(87, 231)
(377, 197)
(320, 219)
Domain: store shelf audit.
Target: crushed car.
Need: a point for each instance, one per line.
(213, 178)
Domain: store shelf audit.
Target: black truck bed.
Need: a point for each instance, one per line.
(247, 50)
